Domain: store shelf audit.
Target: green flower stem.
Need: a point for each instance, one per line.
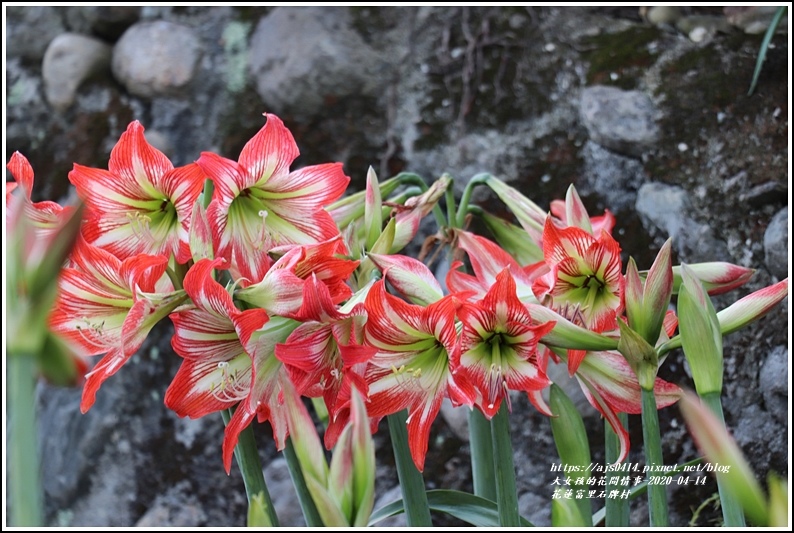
(248, 460)
(657, 494)
(412, 484)
(23, 461)
(452, 217)
(731, 509)
(310, 513)
(506, 495)
(463, 208)
(617, 509)
(482, 455)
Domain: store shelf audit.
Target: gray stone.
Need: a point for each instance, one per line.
(623, 121)
(776, 244)
(393, 494)
(664, 206)
(612, 176)
(30, 29)
(107, 22)
(753, 20)
(457, 419)
(283, 495)
(710, 24)
(300, 58)
(762, 440)
(161, 141)
(765, 193)
(156, 58)
(175, 508)
(536, 508)
(666, 209)
(662, 15)
(71, 59)
(773, 382)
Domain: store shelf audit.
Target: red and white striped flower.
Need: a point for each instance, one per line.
(413, 364)
(498, 348)
(108, 306)
(259, 204)
(487, 261)
(325, 353)
(141, 204)
(584, 283)
(209, 336)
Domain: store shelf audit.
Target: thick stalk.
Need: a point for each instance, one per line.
(506, 496)
(310, 513)
(482, 455)
(657, 494)
(412, 484)
(23, 460)
(617, 509)
(247, 458)
(731, 509)
(463, 207)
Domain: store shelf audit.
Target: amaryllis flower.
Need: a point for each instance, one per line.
(498, 347)
(412, 368)
(259, 204)
(141, 204)
(108, 306)
(572, 212)
(45, 217)
(487, 261)
(209, 336)
(280, 292)
(585, 283)
(325, 353)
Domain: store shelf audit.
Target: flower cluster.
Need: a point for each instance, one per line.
(278, 287)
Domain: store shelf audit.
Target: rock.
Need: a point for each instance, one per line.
(536, 508)
(614, 177)
(457, 419)
(710, 24)
(753, 20)
(762, 440)
(71, 59)
(776, 244)
(160, 141)
(666, 208)
(175, 508)
(22, 41)
(662, 15)
(301, 58)
(773, 382)
(393, 494)
(107, 22)
(623, 121)
(765, 193)
(156, 58)
(283, 495)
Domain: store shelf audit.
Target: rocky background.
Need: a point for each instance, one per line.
(645, 111)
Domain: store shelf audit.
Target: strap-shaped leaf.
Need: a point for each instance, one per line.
(462, 505)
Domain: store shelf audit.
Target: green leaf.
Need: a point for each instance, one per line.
(570, 437)
(566, 512)
(462, 505)
(770, 32)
